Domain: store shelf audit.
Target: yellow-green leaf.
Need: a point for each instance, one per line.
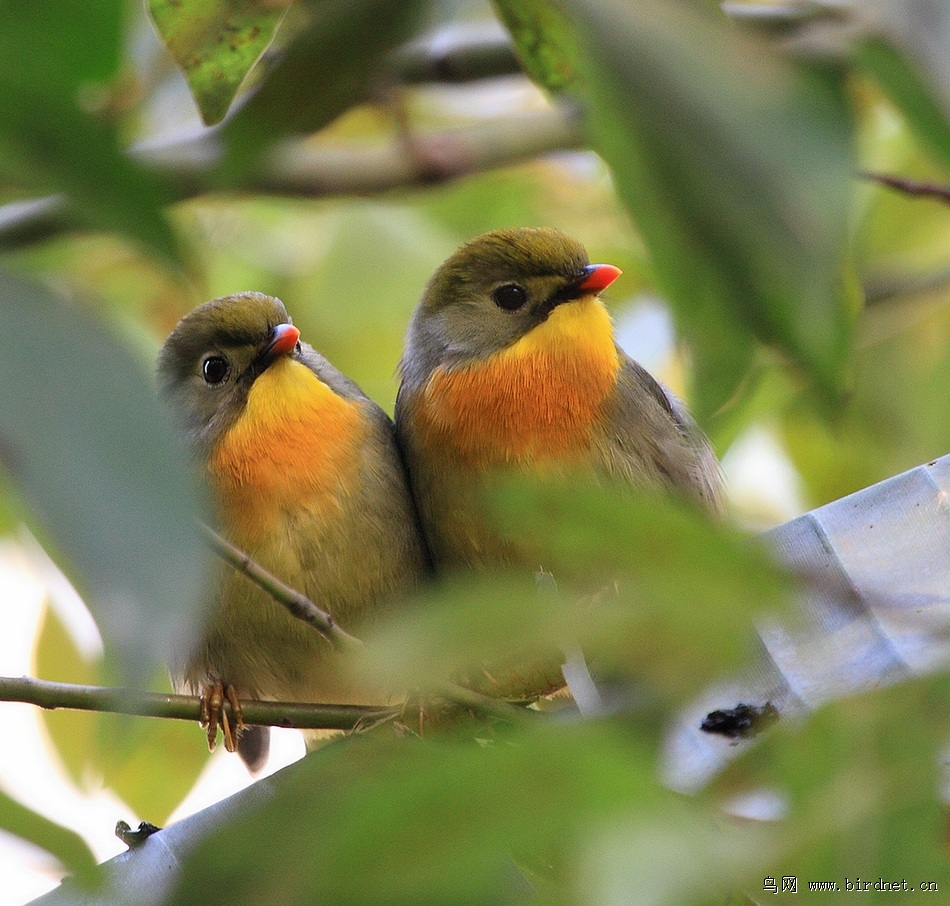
(544, 39)
(736, 164)
(216, 43)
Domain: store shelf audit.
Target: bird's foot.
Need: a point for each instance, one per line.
(214, 714)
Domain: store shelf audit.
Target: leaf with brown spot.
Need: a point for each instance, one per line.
(216, 43)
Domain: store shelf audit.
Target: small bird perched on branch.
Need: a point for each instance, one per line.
(511, 365)
(307, 480)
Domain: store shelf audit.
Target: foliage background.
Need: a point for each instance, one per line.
(814, 308)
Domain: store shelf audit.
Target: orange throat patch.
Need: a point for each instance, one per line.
(292, 447)
(536, 401)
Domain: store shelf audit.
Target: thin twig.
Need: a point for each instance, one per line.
(321, 169)
(301, 715)
(298, 604)
(304, 609)
(907, 186)
(483, 704)
(297, 715)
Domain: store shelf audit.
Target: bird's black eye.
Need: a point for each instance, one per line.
(215, 369)
(509, 296)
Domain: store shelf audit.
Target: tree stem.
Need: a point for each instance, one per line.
(300, 715)
(305, 169)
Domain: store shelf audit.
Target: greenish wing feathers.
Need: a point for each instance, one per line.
(651, 438)
(335, 380)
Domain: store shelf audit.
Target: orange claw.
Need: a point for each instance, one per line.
(214, 714)
(230, 742)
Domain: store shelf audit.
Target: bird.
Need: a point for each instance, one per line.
(305, 477)
(511, 366)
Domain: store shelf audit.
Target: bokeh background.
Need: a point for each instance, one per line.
(801, 308)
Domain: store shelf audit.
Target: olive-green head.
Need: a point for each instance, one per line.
(493, 291)
(210, 360)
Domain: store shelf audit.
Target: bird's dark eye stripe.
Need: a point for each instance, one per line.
(509, 296)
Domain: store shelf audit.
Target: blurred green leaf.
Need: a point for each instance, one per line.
(102, 473)
(113, 749)
(647, 588)
(673, 858)
(903, 83)
(58, 61)
(134, 756)
(71, 732)
(863, 781)
(382, 819)
(327, 69)
(903, 45)
(66, 150)
(216, 43)
(495, 633)
(8, 518)
(736, 165)
(64, 844)
(896, 417)
(647, 584)
(544, 39)
(55, 49)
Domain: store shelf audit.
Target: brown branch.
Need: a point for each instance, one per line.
(53, 696)
(31, 220)
(453, 55)
(301, 715)
(311, 171)
(913, 187)
(319, 170)
(303, 169)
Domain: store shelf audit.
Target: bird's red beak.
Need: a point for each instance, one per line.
(284, 338)
(598, 277)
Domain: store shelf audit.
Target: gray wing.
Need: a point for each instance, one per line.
(652, 438)
(334, 379)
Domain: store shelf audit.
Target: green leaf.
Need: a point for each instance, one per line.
(216, 43)
(644, 588)
(736, 165)
(905, 84)
(57, 59)
(903, 46)
(58, 48)
(560, 813)
(879, 435)
(864, 800)
(382, 819)
(64, 844)
(72, 733)
(102, 474)
(325, 71)
(8, 520)
(114, 749)
(133, 755)
(68, 151)
(544, 39)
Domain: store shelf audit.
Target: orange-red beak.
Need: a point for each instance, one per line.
(597, 277)
(283, 339)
